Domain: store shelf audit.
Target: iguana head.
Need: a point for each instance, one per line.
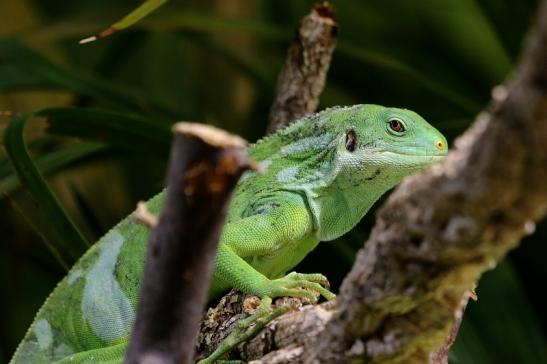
(385, 143)
(374, 148)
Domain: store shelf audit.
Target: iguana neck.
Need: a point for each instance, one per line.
(338, 208)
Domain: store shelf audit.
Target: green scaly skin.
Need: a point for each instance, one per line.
(320, 176)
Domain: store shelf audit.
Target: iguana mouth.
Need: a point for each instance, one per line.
(383, 151)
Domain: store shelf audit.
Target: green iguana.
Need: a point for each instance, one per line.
(320, 176)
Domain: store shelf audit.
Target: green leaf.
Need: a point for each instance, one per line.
(123, 130)
(252, 67)
(134, 16)
(140, 12)
(173, 20)
(208, 23)
(21, 67)
(50, 163)
(469, 36)
(390, 63)
(69, 243)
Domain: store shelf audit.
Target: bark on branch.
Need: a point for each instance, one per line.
(205, 166)
(442, 229)
(434, 237)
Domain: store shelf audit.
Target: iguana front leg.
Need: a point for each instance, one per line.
(267, 244)
(242, 276)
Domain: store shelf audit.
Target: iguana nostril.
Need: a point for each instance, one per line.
(439, 144)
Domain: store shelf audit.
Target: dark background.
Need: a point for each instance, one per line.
(217, 62)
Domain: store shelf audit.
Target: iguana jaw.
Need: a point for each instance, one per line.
(405, 159)
(415, 152)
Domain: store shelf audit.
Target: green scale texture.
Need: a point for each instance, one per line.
(320, 176)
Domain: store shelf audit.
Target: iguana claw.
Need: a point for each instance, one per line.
(302, 285)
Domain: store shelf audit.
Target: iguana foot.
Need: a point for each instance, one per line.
(309, 286)
(246, 329)
(300, 285)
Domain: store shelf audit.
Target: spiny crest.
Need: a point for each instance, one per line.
(306, 134)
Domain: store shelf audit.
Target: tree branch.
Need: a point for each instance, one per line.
(434, 237)
(205, 166)
(442, 229)
(302, 79)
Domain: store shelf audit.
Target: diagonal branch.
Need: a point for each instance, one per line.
(442, 229)
(434, 237)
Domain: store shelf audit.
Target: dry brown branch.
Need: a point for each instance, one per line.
(144, 217)
(204, 168)
(308, 59)
(434, 237)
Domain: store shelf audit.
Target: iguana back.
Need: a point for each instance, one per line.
(94, 305)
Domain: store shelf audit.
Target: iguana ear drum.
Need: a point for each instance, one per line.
(351, 140)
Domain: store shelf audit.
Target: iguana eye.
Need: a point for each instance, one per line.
(351, 140)
(396, 125)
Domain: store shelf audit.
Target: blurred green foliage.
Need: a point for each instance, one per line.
(102, 143)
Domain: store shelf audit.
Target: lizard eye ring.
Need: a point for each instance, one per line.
(351, 140)
(397, 126)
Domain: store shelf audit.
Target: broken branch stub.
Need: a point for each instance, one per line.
(205, 166)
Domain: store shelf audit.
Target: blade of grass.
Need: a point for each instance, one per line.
(210, 23)
(464, 30)
(21, 67)
(123, 130)
(140, 12)
(69, 241)
(174, 20)
(252, 67)
(65, 264)
(387, 62)
(6, 168)
(134, 16)
(51, 162)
